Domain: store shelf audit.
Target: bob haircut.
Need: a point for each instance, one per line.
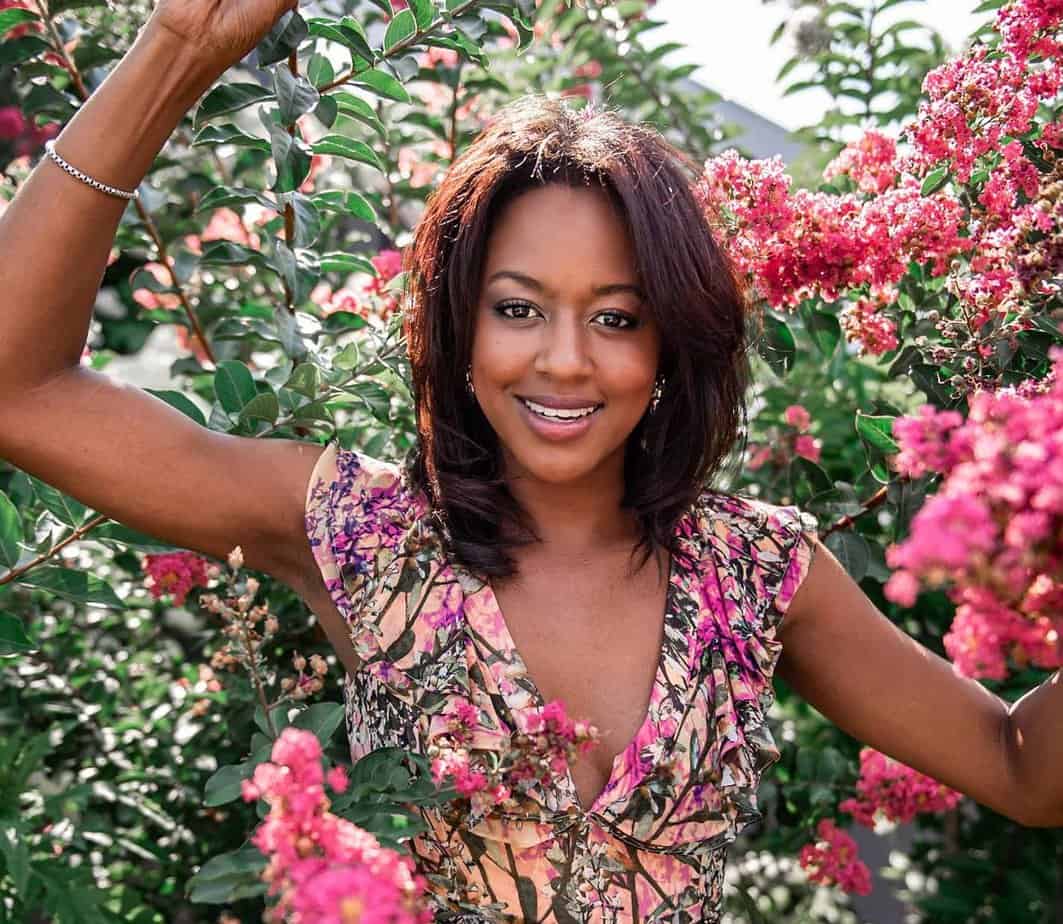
(691, 287)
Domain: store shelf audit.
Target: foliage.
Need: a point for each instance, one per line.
(266, 238)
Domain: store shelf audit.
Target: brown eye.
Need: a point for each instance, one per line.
(518, 311)
(618, 320)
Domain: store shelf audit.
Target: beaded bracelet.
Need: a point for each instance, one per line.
(49, 147)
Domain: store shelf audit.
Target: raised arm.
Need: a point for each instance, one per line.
(885, 689)
(112, 446)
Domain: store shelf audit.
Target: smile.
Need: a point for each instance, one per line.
(558, 424)
(552, 413)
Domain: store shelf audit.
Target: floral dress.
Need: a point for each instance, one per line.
(653, 844)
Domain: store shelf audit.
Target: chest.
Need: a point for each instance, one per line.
(591, 637)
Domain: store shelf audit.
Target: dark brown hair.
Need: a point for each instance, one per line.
(691, 289)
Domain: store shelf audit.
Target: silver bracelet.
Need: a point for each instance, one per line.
(49, 147)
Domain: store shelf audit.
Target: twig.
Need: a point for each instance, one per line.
(849, 520)
(77, 534)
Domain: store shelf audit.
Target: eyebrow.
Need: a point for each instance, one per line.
(532, 283)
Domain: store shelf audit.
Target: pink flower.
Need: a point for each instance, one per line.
(902, 588)
(833, 859)
(807, 447)
(321, 867)
(12, 123)
(174, 573)
(866, 325)
(870, 162)
(991, 530)
(799, 418)
(898, 793)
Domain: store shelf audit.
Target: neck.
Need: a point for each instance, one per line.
(574, 516)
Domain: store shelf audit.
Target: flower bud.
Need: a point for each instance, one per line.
(236, 558)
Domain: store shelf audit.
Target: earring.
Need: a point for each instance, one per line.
(468, 380)
(658, 389)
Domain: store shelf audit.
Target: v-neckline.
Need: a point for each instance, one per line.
(538, 701)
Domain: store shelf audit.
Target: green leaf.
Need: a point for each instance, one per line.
(230, 97)
(305, 379)
(292, 156)
(934, 180)
(424, 12)
(78, 586)
(228, 253)
(234, 385)
(63, 508)
(287, 34)
(401, 27)
(288, 332)
(307, 218)
(264, 406)
(300, 269)
(345, 201)
(850, 548)
(21, 49)
(14, 639)
(14, 845)
(341, 146)
(823, 329)
(232, 195)
(340, 261)
(382, 84)
(327, 111)
(357, 108)
(15, 17)
(877, 431)
(229, 877)
(348, 32)
(320, 70)
(776, 345)
(296, 96)
(322, 719)
(10, 532)
(228, 133)
(224, 784)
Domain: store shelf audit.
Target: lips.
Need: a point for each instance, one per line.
(556, 429)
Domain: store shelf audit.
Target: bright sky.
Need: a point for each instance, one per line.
(737, 62)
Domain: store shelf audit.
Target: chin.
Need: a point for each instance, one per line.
(552, 465)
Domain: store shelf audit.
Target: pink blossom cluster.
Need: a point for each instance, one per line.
(802, 244)
(370, 296)
(322, 868)
(865, 324)
(546, 742)
(889, 789)
(175, 573)
(992, 528)
(976, 100)
(869, 162)
(833, 859)
(25, 136)
(797, 442)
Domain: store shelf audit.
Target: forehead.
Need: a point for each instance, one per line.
(556, 231)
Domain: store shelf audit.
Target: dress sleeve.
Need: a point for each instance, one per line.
(357, 514)
(792, 532)
(759, 553)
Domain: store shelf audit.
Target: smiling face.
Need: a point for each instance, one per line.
(561, 323)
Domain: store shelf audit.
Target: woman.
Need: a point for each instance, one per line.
(571, 410)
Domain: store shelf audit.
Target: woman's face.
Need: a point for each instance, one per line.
(561, 325)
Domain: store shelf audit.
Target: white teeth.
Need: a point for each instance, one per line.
(557, 414)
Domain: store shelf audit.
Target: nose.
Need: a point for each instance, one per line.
(564, 348)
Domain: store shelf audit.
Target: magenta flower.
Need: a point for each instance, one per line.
(833, 860)
(175, 573)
